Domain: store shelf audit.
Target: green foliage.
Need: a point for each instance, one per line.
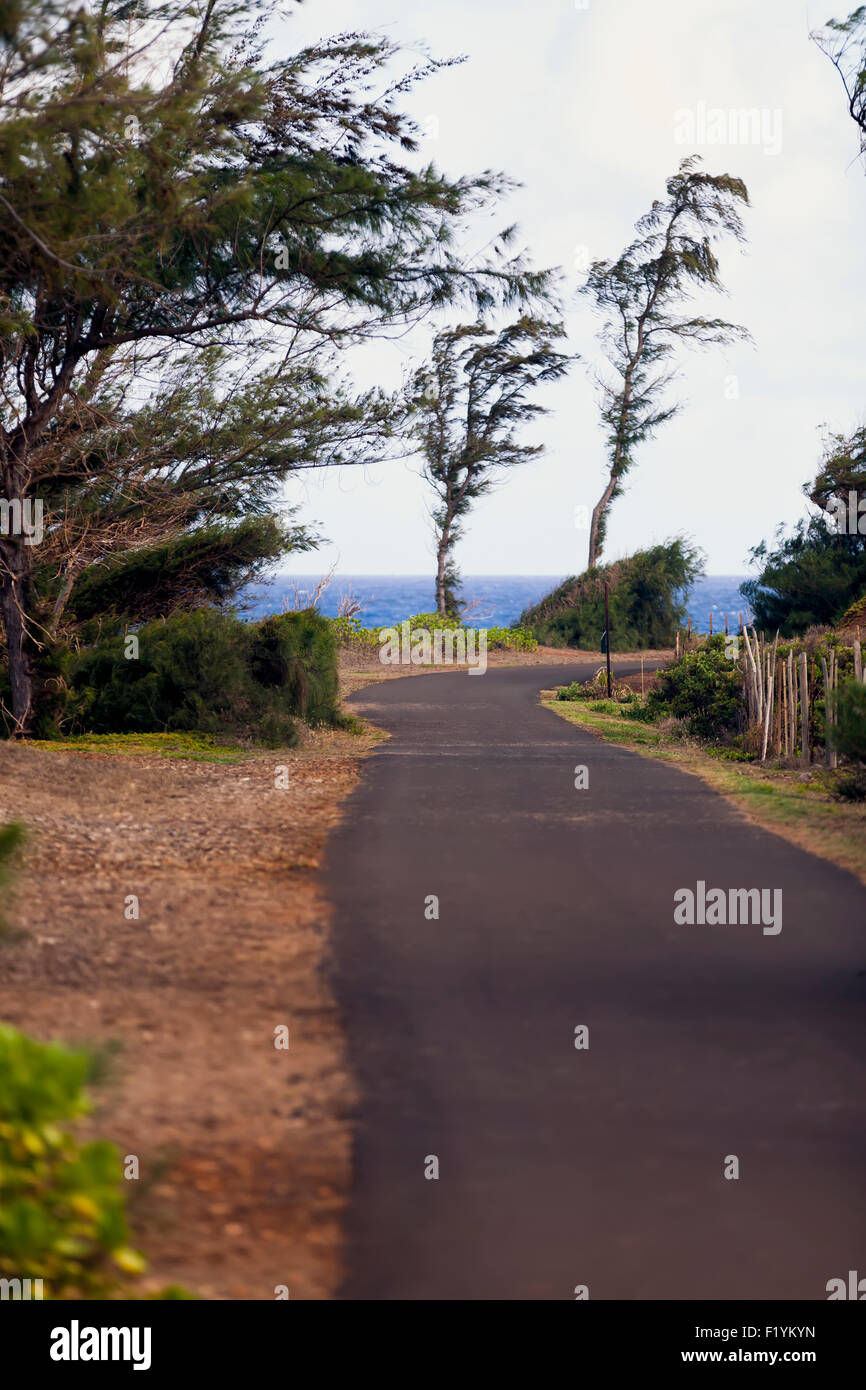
(703, 688)
(849, 737)
(294, 656)
(592, 689)
(191, 673)
(207, 565)
(641, 296)
(61, 1204)
(516, 639)
(812, 576)
(210, 672)
(807, 580)
(192, 226)
(12, 836)
(647, 602)
(430, 622)
(465, 409)
(641, 711)
(349, 632)
(50, 683)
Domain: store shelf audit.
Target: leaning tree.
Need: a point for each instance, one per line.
(166, 185)
(466, 406)
(639, 296)
(174, 497)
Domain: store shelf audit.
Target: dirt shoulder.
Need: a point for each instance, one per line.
(791, 803)
(243, 1148)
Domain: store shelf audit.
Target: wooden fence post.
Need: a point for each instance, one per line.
(804, 712)
(770, 661)
(834, 681)
(791, 704)
(827, 717)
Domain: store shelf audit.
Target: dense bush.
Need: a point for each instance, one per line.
(515, 638)
(849, 730)
(212, 673)
(703, 688)
(812, 576)
(647, 602)
(350, 632)
(61, 1204)
(849, 737)
(294, 656)
(808, 579)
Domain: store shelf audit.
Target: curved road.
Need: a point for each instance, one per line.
(603, 1166)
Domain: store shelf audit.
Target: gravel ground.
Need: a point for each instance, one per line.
(243, 1148)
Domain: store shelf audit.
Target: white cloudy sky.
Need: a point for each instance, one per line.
(579, 105)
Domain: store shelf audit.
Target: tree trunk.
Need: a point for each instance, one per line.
(442, 548)
(598, 512)
(14, 585)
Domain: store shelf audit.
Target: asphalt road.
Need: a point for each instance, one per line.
(604, 1166)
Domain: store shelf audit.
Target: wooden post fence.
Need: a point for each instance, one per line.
(804, 712)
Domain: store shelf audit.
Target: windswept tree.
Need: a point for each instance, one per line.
(164, 184)
(466, 409)
(174, 499)
(639, 296)
(844, 43)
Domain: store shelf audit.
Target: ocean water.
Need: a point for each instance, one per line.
(499, 598)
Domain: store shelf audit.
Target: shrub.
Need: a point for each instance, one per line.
(295, 655)
(646, 603)
(210, 672)
(642, 711)
(574, 691)
(849, 737)
(849, 730)
(515, 639)
(703, 688)
(61, 1204)
(595, 688)
(431, 622)
(190, 673)
(11, 838)
(348, 632)
(813, 575)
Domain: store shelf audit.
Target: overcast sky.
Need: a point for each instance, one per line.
(584, 106)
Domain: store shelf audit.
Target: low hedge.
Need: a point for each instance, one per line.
(349, 632)
(210, 672)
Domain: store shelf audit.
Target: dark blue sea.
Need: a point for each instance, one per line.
(501, 598)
